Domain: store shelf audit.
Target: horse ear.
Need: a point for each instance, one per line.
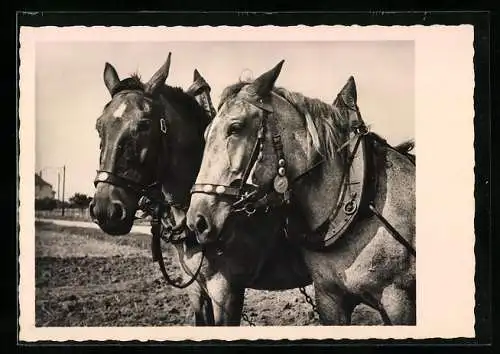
(200, 90)
(158, 79)
(349, 93)
(196, 75)
(111, 78)
(265, 82)
(200, 80)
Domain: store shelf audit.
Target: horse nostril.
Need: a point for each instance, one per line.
(91, 208)
(201, 224)
(119, 211)
(91, 211)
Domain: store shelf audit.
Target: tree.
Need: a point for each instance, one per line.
(45, 204)
(80, 200)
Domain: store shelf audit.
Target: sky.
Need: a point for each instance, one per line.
(70, 92)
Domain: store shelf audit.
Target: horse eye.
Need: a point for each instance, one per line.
(235, 128)
(143, 125)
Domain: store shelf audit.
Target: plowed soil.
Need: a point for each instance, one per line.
(87, 278)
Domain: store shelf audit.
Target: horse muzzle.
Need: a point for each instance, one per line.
(206, 217)
(112, 216)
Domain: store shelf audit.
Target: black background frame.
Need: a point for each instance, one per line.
(483, 101)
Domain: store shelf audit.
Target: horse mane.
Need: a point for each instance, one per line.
(325, 124)
(130, 83)
(405, 147)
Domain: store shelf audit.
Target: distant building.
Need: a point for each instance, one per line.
(43, 189)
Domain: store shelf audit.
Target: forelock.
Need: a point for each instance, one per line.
(130, 83)
(231, 91)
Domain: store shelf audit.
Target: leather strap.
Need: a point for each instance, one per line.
(237, 192)
(393, 231)
(156, 231)
(255, 153)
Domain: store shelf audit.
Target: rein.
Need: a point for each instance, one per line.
(249, 198)
(153, 202)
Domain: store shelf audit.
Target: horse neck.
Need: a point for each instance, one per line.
(395, 184)
(317, 192)
(181, 160)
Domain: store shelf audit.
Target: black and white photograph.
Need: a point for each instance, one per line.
(257, 177)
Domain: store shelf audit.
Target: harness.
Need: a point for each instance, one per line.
(248, 198)
(154, 201)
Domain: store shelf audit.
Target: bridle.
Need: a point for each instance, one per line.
(113, 178)
(153, 201)
(248, 198)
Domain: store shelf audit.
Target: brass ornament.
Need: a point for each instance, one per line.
(102, 176)
(280, 184)
(350, 207)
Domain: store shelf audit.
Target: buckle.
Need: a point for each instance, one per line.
(163, 126)
(250, 209)
(361, 129)
(350, 207)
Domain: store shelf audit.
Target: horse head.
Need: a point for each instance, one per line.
(150, 133)
(261, 140)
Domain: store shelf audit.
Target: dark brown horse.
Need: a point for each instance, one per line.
(151, 132)
(345, 197)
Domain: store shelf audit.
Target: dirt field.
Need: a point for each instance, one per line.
(87, 278)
